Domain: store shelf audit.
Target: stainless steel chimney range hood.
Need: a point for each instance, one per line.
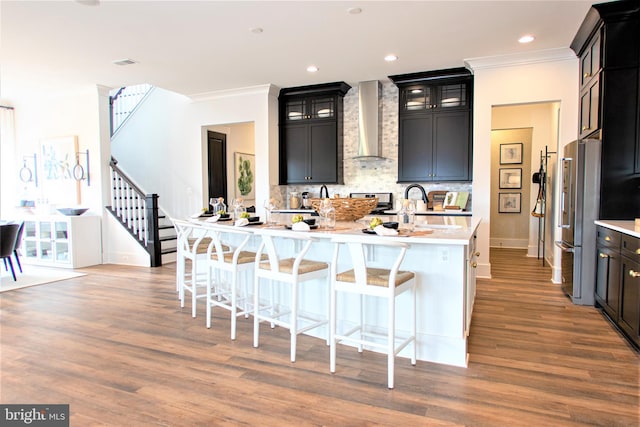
(370, 121)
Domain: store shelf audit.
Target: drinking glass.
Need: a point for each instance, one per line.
(271, 217)
(327, 215)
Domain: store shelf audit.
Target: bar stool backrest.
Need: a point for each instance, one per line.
(358, 251)
(268, 246)
(221, 244)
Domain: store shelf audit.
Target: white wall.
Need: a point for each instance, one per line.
(551, 76)
(44, 117)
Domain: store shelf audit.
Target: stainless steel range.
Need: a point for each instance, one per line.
(385, 201)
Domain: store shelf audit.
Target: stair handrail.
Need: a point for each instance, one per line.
(124, 102)
(136, 211)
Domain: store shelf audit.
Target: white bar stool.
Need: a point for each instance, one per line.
(365, 279)
(292, 271)
(225, 255)
(192, 245)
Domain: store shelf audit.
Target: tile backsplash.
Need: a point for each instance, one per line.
(370, 175)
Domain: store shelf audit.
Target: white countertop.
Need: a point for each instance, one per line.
(626, 227)
(439, 230)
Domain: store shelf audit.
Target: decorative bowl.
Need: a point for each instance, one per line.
(390, 224)
(310, 221)
(254, 218)
(72, 211)
(347, 208)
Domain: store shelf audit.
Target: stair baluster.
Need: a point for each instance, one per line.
(137, 212)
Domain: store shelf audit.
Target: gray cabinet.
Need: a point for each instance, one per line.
(434, 134)
(311, 141)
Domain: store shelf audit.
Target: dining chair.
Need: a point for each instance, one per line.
(192, 246)
(228, 259)
(8, 235)
(18, 244)
(292, 271)
(368, 275)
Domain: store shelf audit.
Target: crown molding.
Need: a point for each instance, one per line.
(526, 58)
(229, 93)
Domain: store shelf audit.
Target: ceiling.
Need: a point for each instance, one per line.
(195, 47)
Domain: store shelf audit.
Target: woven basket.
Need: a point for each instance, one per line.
(349, 209)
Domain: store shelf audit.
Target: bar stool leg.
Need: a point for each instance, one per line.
(294, 320)
(413, 323)
(256, 310)
(194, 280)
(362, 319)
(332, 330)
(391, 336)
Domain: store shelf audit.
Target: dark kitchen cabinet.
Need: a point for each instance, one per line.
(618, 280)
(629, 318)
(608, 45)
(311, 141)
(434, 120)
(608, 271)
(590, 87)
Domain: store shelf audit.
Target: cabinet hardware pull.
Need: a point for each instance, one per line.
(638, 251)
(634, 273)
(475, 264)
(608, 239)
(586, 75)
(603, 255)
(477, 254)
(585, 128)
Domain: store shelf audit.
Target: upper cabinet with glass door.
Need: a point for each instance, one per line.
(310, 108)
(434, 96)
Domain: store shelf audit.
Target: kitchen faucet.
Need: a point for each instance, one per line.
(324, 187)
(424, 193)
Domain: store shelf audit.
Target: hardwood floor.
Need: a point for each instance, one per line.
(116, 346)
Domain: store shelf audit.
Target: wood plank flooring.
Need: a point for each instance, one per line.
(116, 346)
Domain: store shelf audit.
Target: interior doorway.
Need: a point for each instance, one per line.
(217, 164)
(541, 120)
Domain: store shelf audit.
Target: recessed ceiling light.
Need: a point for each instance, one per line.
(526, 39)
(256, 30)
(391, 58)
(88, 2)
(312, 68)
(124, 62)
(354, 10)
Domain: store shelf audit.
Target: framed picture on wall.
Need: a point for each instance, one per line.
(511, 178)
(245, 172)
(509, 202)
(511, 153)
(58, 164)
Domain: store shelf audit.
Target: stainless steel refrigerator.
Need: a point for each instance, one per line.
(579, 204)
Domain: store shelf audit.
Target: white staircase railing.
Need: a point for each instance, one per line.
(124, 102)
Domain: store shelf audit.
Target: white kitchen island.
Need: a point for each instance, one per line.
(444, 262)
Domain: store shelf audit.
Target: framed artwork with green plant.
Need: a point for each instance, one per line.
(245, 173)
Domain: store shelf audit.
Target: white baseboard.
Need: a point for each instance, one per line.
(499, 242)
